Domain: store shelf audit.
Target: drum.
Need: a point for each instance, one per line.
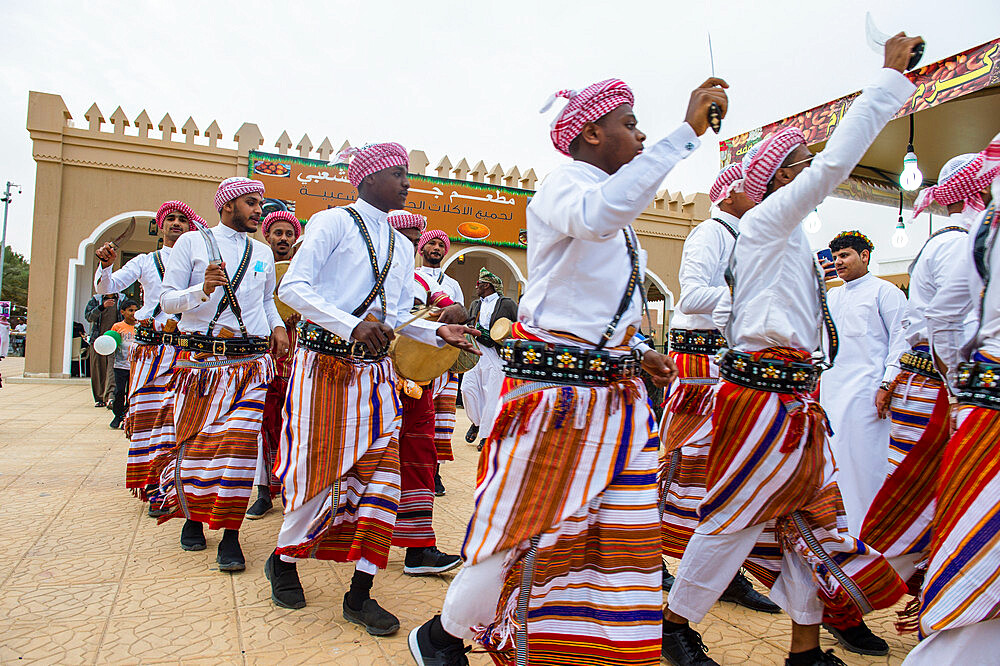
(419, 362)
(466, 360)
(501, 329)
(280, 268)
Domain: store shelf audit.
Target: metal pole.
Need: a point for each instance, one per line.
(3, 239)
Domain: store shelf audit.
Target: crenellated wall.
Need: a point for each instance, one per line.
(95, 174)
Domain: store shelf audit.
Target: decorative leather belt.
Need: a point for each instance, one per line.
(768, 374)
(150, 336)
(978, 384)
(696, 341)
(215, 345)
(316, 338)
(919, 362)
(564, 364)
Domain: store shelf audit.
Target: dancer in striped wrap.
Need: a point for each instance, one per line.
(281, 229)
(770, 466)
(222, 283)
(562, 551)
(148, 424)
(686, 429)
(418, 456)
(351, 280)
(959, 616)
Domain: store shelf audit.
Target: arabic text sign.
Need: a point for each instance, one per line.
(936, 83)
(469, 212)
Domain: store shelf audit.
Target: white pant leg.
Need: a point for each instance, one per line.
(364, 566)
(262, 476)
(971, 645)
(796, 591)
(710, 561)
(473, 596)
(473, 389)
(295, 523)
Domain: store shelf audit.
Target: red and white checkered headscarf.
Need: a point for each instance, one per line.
(962, 179)
(198, 221)
(991, 159)
(585, 106)
(374, 157)
(432, 234)
(773, 150)
(169, 207)
(402, 219)
(232, 188)
(720, 188)
(282, 216)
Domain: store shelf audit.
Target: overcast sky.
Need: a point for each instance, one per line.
(460, 78)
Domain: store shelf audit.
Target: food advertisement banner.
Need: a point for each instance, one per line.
(470, 212)
(937, 83)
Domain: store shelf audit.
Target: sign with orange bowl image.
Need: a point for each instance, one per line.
(469, 212)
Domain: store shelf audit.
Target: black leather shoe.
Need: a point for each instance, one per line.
(827, 658)
(683, 647)
(230, 557)
(668, 578)
(286, 590)
(428, 561)
(376, 620)
(472, 433)
(859, 639)
(426, 654)
(439, 490)
(192, 535)
(259, 508)
(740, 591)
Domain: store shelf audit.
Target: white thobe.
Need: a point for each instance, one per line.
(4, 338)
(184, 280)
(936, 260)
(441, 281)
(868, 313)
(578, 265)
(143, 269)
(331, 274)
(703, 272)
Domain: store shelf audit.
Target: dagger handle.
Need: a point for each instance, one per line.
(915, 55)
(715, 117)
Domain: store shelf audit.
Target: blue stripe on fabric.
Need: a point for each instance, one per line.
(974, 547)
(596, 614)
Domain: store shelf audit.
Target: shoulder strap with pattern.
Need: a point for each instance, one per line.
(937, 233)
(161, 270)
(229, 289)
(633, 282)
(727, 226)
(378, 289)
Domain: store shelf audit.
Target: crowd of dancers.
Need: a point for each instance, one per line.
(841, 495)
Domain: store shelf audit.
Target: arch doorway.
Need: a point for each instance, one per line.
(464, 266)
(661, 304)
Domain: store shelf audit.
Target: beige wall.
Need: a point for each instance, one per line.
(93, 175)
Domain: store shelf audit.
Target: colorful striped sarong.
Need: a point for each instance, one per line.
(208, 474)
(913, 400)
(686, 434)
(445, 390)
(567, 488)
(771, 461)
(339, 442)
(149, 423)
(962, 585)
(417, 463)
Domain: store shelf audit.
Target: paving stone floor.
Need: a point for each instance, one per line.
(86, 577)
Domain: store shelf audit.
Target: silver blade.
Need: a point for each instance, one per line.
(711, 55)
(214, 255)
(875, 37)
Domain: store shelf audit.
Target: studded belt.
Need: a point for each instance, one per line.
(316, 338)
(768, 374)
(150, 336)
(920, 362)
(696, 341)
(564, 364)
(978, 384)
(214, 345)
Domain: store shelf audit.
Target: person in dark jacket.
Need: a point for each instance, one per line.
(102, 312)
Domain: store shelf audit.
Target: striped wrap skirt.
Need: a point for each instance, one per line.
(149, 422)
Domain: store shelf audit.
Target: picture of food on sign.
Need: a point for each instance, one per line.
(522, 237)
(473, 230)
(272, 169)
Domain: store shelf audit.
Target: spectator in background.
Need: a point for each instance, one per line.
(126, 329)
(102, 312)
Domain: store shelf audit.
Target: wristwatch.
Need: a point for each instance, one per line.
(885, 386)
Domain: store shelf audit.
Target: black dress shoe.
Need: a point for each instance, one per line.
(683, 647)
(425, 653)
(740, 591)
(376, 620)
(439, 490)
(192, 535)
(859, 639)
(472, 433)
(286, 590)
(827, 658)
(428, 561)
(668, 578)
(259, 508)
(230, 556)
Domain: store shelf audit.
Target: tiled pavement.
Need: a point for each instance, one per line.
(86, 577)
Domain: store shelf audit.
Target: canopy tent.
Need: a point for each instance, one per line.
(955, 109)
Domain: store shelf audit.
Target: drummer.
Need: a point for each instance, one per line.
(281, 231)
(414, 528)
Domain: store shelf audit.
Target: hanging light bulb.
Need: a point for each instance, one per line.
(899, 238)
(812, 222)
(911, 178)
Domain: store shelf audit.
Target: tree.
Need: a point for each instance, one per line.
(15, 278)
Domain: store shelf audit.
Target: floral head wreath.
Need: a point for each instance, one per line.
(854, 233)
